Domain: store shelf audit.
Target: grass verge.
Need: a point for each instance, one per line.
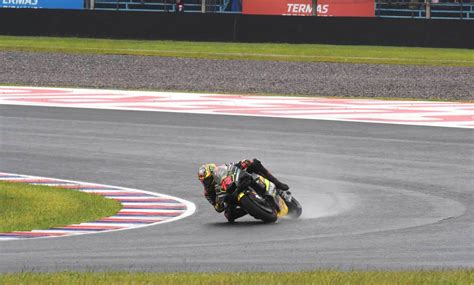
(25, 207)
(314, 277)
(246, 51)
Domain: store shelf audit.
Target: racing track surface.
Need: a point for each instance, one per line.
(375, 196)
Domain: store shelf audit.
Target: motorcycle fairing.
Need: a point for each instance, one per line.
(270, 190)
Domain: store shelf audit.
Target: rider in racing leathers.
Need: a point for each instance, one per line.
(211, 176)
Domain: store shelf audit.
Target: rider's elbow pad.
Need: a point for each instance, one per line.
(219, 208)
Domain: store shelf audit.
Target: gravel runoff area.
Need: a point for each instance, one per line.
(236, 76)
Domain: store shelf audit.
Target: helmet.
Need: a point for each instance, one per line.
(205, 174)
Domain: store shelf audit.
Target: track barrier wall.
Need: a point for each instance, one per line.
(237, 28)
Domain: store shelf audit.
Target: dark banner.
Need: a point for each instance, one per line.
(338, 8)
(237, 28)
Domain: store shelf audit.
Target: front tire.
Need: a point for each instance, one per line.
(256, 209)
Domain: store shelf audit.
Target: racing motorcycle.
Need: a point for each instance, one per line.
(259, 197)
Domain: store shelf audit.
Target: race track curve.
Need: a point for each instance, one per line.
(375, 196)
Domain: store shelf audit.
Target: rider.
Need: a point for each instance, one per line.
(211, 177)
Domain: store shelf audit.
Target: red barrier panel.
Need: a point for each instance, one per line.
(341, 8)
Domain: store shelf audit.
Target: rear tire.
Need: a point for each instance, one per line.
(294, 208)
(253, 206)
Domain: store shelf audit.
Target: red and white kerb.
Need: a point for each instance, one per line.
(139, 208)
(421, 113)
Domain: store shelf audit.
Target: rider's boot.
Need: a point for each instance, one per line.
(258, 167)
(286, 195)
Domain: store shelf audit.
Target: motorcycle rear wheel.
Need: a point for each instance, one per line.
(294, 208)
(256, 210)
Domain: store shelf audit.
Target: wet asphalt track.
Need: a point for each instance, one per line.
(375, 196)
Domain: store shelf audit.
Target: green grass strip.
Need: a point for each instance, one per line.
(25, 207)
(245, 51)
(301, 278)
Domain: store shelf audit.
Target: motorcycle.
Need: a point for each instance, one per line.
(260, 198)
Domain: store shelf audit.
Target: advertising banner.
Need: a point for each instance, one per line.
(341, 8)
(46, 4)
